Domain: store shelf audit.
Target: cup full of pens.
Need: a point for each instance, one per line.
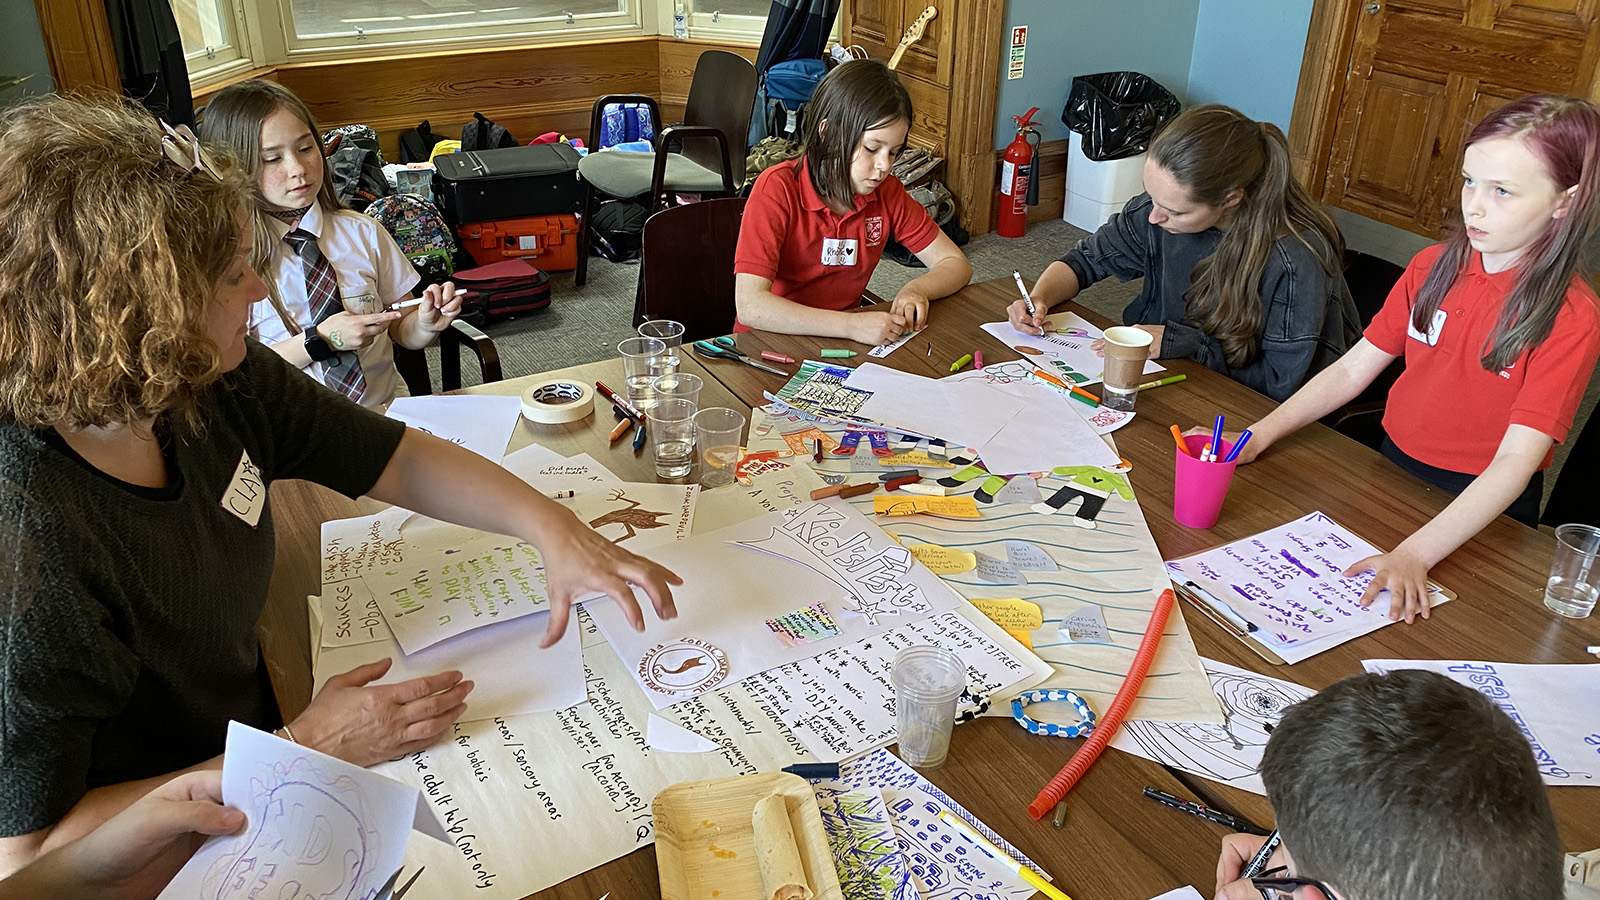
(1204, 469)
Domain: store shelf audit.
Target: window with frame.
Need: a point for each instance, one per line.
(211, 31)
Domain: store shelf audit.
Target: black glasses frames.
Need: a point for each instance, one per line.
(1280, 884)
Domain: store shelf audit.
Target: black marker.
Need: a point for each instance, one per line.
(1204, 812)
(814, 771)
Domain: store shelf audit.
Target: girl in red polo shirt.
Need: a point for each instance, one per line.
(1499, 335)
(815, 227)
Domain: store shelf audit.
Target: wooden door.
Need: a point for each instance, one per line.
(1420, 74)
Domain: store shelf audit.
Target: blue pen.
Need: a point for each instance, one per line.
(1216, 438)
(1234, 453)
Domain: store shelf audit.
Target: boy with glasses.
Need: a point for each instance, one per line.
(1404, 785)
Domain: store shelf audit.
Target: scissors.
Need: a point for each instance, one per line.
(723, 348)
(388, 891)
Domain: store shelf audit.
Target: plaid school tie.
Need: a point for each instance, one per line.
(343, 371)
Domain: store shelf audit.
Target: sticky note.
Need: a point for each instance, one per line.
(1012, 614)
(918, 459)
(1023, 638)
(944, 560)
(897, 504)
(803, 626)
(1021, 489)
(1029, 557)
(1086, 626)
(998, 571)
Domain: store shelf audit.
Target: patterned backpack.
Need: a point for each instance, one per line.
(420, 230)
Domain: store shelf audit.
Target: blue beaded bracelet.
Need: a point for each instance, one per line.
(1079, 729)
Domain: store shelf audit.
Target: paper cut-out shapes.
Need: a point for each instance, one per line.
(914, 459)
(937, 449)
(998, 571)
(1086, 626)
(1019, 489)
(1029, 557)
(944, 560)
(685, 666)
(805, 625)
(1084, 515)
(669, 737)
(877, 438)
(974, 469)
(752, 464)
(1095, 477)
(804, 442)
(630, 517)
(950, 507)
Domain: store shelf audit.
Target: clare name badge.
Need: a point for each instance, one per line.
(1432, 337)
(838, 251)
(246, 495)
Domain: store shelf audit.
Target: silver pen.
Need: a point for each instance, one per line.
(1025, 298)
(1220, 608)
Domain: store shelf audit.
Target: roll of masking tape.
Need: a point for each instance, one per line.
(557, 402)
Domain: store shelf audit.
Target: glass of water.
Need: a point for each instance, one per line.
(667, 332)
(671, 430)
(642, 359)
(1571, 591)
(716, 432)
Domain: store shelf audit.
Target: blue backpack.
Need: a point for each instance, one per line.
(781, 99)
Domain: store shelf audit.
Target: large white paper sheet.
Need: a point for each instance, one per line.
(511, 675)
(580, 779)
(315, 826)
(737, 578)
(1230, 752)
(1286, 581)
(480, 424)
(1047, 432)
(1557, 708)
(1016, 376)
(535, 461)
(1064, 352)
(963, 413)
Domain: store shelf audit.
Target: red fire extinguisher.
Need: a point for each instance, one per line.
(1019, 189)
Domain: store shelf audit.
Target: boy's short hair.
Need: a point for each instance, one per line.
(1408, 785)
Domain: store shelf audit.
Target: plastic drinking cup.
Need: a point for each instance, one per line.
(716, 433)
(670, 426)
(682, 385)
(927, 682)
(642, 359)
(1571, 590)
(1200, 487)
(1126, 350)
(667, 332)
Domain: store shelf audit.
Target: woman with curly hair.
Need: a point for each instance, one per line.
(139, 431)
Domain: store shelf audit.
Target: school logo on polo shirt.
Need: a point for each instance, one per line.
(874, 230)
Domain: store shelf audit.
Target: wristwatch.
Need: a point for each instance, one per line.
(317, 348)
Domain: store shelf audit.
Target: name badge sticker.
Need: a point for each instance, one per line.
(246, 495)
(838, 251)
(1432, 337)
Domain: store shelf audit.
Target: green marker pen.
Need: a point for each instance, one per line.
(837, 354)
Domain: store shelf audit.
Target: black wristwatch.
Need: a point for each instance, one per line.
(317, 348)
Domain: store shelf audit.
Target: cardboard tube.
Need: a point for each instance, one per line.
(783, 875)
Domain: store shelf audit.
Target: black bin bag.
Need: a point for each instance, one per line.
(1117, 112)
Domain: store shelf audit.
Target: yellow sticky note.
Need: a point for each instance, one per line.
(954, 507)
(916, 459)
(1013, 614)
(1023, 638)
(944, 560)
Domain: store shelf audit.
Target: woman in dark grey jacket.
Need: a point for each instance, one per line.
(1242, 269)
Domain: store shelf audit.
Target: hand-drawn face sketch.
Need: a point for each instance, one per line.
(299, 821)
(1230, 752)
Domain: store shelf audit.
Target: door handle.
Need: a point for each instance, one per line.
(1372, 8)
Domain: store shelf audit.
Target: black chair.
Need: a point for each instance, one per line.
(413, 364)
(687, 267)
(696, 157)
(1370, 280)
(1573, 497)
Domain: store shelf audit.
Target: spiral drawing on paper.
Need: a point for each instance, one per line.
(1252, 705)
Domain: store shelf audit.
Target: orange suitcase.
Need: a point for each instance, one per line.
(550, 242)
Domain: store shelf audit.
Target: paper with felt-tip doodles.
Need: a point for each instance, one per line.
(738, 577)
(949, 507)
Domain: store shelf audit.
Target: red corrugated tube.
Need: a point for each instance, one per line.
(1111, 720)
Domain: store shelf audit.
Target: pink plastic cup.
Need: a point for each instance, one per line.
(1200, 487)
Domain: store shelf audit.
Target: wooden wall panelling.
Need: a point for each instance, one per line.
(77, 41)
(974, 82)
(529, 90)
(1052, 184)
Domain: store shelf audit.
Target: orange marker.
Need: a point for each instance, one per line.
(1183, 446)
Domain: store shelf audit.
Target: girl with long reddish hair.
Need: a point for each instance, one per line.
(1499, 334)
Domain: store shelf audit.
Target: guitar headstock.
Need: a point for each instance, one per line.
(914, 32)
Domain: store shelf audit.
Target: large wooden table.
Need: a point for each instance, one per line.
(1116, 843)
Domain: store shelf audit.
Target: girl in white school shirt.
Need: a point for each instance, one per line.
(346, 346)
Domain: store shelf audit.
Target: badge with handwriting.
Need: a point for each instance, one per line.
(838, 251)
(1432, 337)
(246, 495)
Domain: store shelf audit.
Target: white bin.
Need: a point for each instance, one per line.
(1095, 190)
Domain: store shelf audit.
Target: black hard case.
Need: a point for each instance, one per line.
(513, 183)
